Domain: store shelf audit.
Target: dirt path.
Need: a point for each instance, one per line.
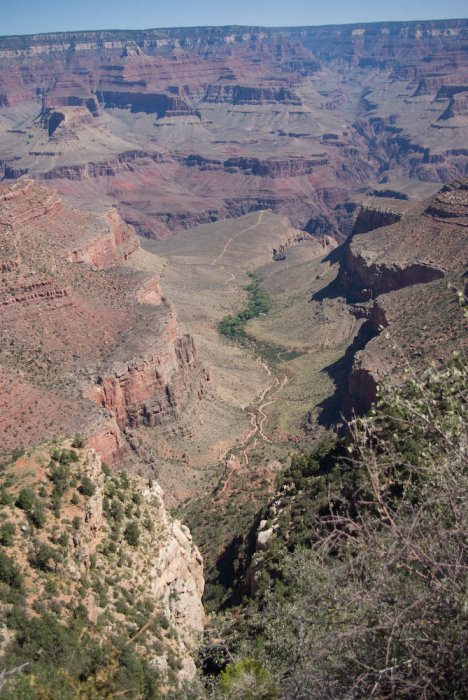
(273, 398)
(233, 238)
(258, 415)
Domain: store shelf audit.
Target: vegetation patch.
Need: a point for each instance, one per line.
(360, 591)
(234, 326)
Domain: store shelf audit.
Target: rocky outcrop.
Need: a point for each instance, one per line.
(23, 202)
(31, 289)
(108, 441)
(149, 292)
(450, 205)
(124, 162)
(269, 167)
(161, 104)
(80, 331)
(159, 570)
(177, 581)
(457, 107)
(275, 168)
(423, 247)
(372, 217)
(60, 122)
(155, 389)
(362, 281)
(250, 95)
(106, 251)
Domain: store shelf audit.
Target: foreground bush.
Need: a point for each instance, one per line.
(372, 603)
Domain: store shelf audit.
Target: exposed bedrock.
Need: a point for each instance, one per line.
(370, 218)
(251, 95)
(96, 330)
(24, 202)
(151, 103)
(60, 122)
(154, 390)
(377, 270)
(361, 389)
(108, 442)
(105, 251)
(124, 162)
(361, 281)
(457, 107)
(269, 167)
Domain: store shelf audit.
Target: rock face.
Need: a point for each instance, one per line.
(160, 564)
(98, 343)
(372, 217)
(108, 250)
(151, 103)
(250, 95)
(152, 391)
(177, 580)
(396, 277)
(212, 123)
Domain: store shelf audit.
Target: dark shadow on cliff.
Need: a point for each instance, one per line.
(339, 407)
(232, 565)
(333, 289)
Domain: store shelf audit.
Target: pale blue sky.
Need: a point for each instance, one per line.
(33, 16)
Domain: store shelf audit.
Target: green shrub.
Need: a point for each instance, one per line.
(6, 498)
(132, 534)
(60, 475)
(36, 515)
(233, 326)
(17, 453)
(362, 588)
(87, 488)
(7, 534)
(45, 557)
(78, 441)
(9, 572)
(247, 679)
(26, 499)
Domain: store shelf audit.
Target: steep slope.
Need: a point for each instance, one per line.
(84, 540)
(403, 277)
(95, 343)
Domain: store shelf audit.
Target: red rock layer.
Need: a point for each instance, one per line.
(74, 332)
(401, 267)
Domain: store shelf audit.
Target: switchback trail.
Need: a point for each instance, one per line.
(257, 420)
(233, 238)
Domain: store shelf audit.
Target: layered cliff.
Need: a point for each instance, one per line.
(402, 277)
(227, 120)
(97, 342)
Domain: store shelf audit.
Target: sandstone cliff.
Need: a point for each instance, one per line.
(95, 341)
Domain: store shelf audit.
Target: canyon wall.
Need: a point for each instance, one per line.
(98, 343)
(386, 273)
(179, 127)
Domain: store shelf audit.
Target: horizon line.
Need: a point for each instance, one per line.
(232, 26)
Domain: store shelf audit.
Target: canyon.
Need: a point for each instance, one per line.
(149, 179)
(181, 127)
(80, 329)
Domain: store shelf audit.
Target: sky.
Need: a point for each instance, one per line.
(35, 16)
